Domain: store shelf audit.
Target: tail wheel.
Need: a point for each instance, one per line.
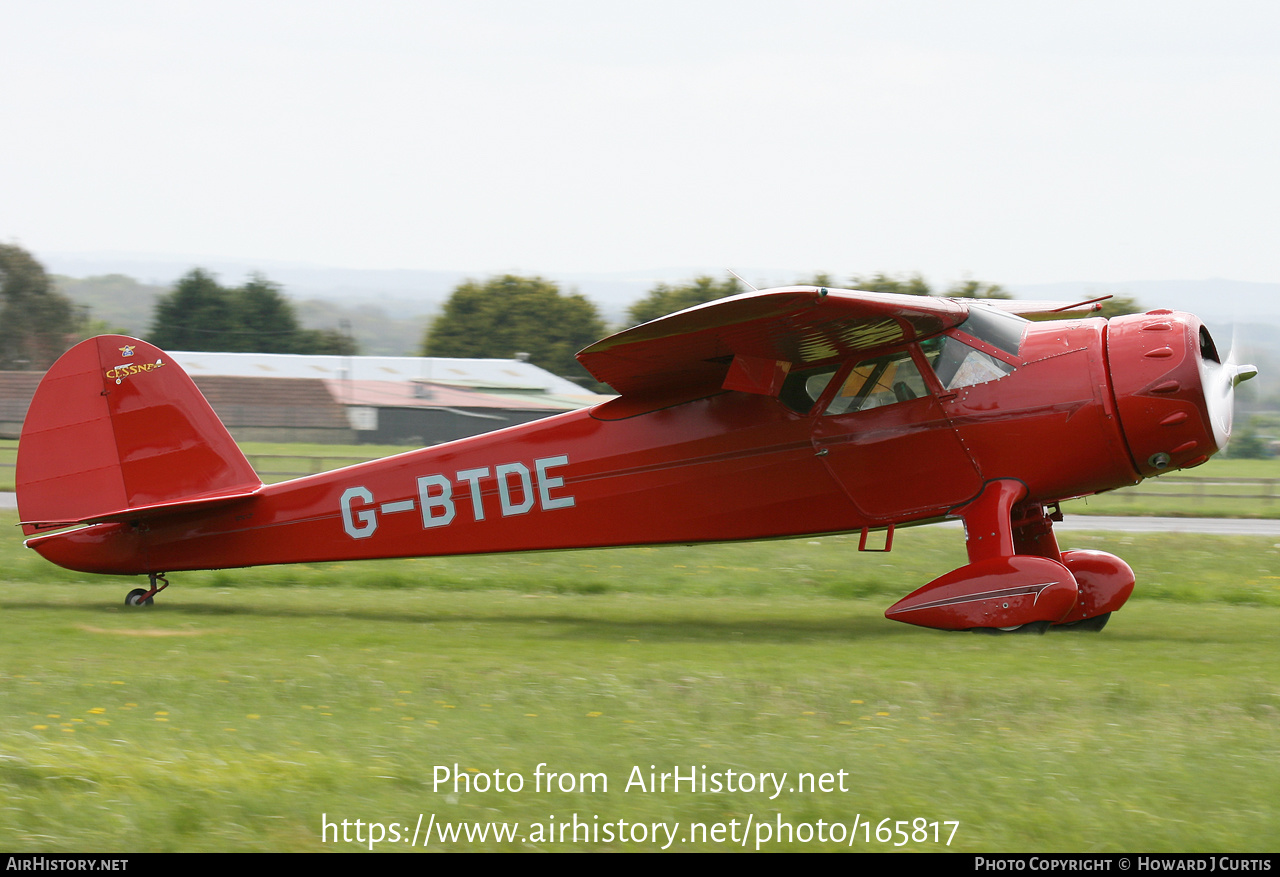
(138, 597)
(145, 597)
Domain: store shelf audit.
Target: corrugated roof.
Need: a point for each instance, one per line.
(421, 394)
(505, 374)
(16, 390)
(269, 402)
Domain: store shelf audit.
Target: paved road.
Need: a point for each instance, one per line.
(1211, 526)
(1122, 524)
(1214, 526)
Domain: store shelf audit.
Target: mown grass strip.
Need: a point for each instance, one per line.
(248, 705)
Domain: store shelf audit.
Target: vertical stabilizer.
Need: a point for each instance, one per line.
(116, 426)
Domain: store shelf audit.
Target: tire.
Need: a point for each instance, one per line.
(1088, 625)
(1035, 628)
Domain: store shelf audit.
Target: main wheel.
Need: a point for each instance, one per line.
(1092, 625)
(135, 598)
(1035, 628)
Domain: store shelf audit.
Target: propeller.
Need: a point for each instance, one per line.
(1220, 380)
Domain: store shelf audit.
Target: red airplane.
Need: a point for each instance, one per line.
(786, 412)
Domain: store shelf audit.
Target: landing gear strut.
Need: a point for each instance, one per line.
(1017, 578)
(144, 597)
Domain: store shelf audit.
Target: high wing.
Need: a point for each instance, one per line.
(789, 327)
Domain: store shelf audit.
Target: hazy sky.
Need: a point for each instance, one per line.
(1010, 141)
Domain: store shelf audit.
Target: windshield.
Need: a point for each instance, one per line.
(997, 328)
(958, 365)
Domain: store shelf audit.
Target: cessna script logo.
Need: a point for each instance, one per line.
(120, 372)
(519, 488)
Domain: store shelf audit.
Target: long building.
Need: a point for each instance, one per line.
(353, 399)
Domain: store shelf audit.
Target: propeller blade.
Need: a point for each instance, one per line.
(1242, 373)
(1220, 381)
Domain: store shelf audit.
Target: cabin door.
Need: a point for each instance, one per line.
(885, 439)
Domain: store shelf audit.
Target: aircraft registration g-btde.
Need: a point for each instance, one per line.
(779, 413)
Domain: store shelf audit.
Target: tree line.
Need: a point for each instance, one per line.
(506, 315)
(38, 323)
(501, 317)
(256, 317)
(510, 314)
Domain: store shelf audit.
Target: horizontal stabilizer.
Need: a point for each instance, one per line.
(141, 512)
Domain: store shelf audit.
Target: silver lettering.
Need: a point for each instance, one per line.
(547, 484)
(472, 477)
(518, 490)
(504, 488)
(367, 518)
(443, 501)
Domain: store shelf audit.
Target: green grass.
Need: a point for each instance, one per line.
(1221, 488)
(280, 462)
(247, 705)
(8, 456)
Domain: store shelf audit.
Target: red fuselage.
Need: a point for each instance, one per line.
(727, 465)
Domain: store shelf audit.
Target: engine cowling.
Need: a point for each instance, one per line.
(1173, 391)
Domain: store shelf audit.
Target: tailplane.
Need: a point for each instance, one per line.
(118, 431)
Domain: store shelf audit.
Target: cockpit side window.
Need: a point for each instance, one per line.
(874, 383)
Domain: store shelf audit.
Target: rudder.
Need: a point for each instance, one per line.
(118, 429)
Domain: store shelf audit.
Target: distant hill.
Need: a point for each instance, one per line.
(405, 292)
(115, 302)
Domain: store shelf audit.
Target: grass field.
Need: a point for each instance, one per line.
(1221, 488)
(248, 707)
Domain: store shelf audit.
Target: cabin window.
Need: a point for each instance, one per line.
(800, 390)
(958, 365)
(875, 383)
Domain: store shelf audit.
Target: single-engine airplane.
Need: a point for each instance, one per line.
(785, 412)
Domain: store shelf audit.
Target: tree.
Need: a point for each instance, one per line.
(917, 285)
(976, 289)
(266, 317)
(913, 285)
(37, 323)
(822, 279)
(197, 315)
(1248, 443)
(664, 299)
(1119, 305)
(201, 314)
(508, 315)
(328, 341)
